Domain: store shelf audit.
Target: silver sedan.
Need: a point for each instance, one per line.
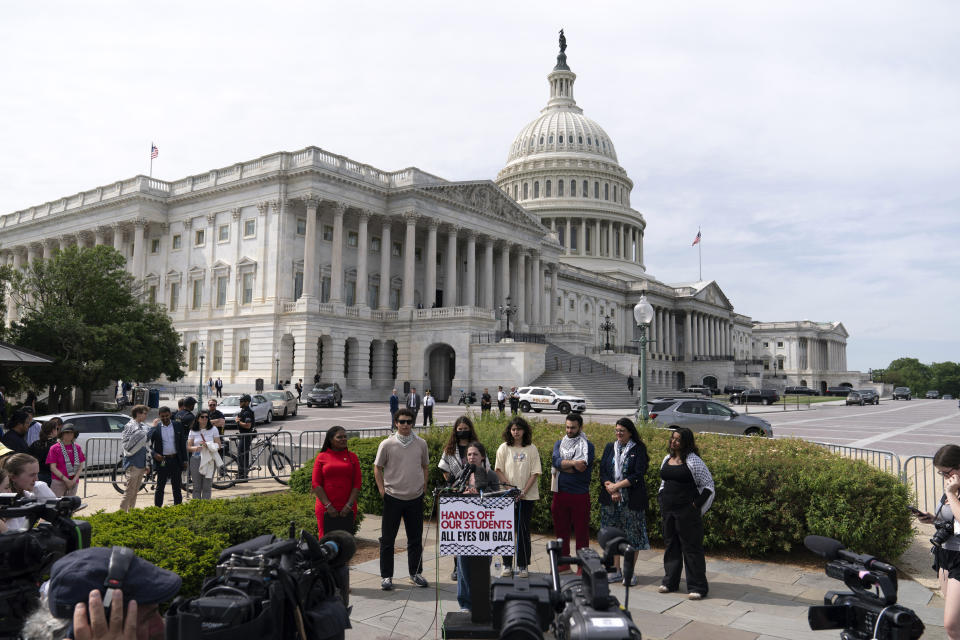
(284, 403)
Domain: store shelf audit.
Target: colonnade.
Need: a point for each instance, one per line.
(608, 239)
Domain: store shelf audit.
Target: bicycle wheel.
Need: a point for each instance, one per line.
(119, 477)
(226, 476)
(280, 465)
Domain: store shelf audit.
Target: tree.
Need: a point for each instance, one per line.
(82, 308)
(908, 372)
(945, 377)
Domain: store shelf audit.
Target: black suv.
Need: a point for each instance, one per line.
(800, 391)
(758, 396)
(902, 393)
(733, 388)
(841, 392)
(325, 394)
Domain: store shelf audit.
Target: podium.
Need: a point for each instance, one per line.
(474, 528)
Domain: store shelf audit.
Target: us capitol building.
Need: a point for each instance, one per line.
(309, 263)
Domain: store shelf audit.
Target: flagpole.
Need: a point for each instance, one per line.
(700, 253)
(151, 159)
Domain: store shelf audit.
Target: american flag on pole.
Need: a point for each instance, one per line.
(154, 152)
(696, 240)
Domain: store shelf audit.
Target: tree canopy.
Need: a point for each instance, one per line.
(910, 372)
(82, 308)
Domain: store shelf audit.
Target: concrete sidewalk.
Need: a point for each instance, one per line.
(747, 601)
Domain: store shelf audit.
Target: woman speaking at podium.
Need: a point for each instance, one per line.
(480, 480)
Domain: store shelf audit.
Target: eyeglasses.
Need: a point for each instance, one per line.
(404, 421)
(947, 473)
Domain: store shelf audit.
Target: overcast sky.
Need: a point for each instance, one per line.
(816, 144)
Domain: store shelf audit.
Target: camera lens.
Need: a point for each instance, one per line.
(520, 621)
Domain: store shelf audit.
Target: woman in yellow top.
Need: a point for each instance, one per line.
(518, 464)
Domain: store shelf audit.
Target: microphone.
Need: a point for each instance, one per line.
(613, 541)
(832, 549)
(336, 547)
(461, 482)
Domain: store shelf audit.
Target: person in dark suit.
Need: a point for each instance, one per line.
(218, 385)
(623, 489)
(414, 402)
(168, 447)
(394, 405)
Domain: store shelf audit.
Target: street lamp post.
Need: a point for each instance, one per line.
(203, 355)
(607, 326)
(507, 310)
(276, 357)
(643, 315)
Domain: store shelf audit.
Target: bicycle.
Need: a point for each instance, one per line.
(224, 477)
(278, 463)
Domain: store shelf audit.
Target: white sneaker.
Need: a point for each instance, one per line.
(507, 572)
(523, 573)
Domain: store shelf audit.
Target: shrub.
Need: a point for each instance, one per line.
(770, 493)
(188, 538)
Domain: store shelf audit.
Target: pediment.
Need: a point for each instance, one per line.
(485, 197)
(713, 295)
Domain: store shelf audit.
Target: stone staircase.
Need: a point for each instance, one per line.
(599, 385)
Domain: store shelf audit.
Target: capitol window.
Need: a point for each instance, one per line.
(197, 294)
(547, 187)
(586, 189)
(588, 140)
(352, 239)
(418, 254)
(579, 139)
(606, 191)
(223, 233)
(573, 188)
(596, 190)
(536, 189)
(560, 140)
(243, 354)
(525, 185)
(397, 249)
(550, 139)
(174, 295)
(514, 192)
(222, 291)
(560, 188)
(247, 288)
(375, 243)
(541, 139)
(217, 355)
(249, 228)
(301, 226)
(327, 233)
(152, 296)
(155, 245)
(199, 238)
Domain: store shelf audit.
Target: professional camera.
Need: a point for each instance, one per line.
(580, 608)
(943, 533)
(267, 588)
(26, 555)
(871, 609)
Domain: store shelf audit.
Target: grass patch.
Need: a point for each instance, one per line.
(791, 399)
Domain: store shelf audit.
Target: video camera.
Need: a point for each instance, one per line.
(27, 555)
(870, 610)
(267, 588)
(580, 608)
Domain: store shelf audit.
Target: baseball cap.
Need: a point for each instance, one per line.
(76, 574)
(69, 427)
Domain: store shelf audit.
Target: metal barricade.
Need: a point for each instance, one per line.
(925, 483)
(102, 455)
(884, 460)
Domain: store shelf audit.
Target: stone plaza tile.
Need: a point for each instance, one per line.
(361, 631)
(775, 604)
(654, 626)
(779, 627)
(702, 631)
(651, 601)
(709, 611)
(913, 594)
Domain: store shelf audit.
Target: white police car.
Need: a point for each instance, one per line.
(540, 398)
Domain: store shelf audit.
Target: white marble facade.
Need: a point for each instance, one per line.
(309, 263)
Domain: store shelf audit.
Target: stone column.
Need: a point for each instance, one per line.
(504, 273)
(521, 301)
(310, 271)
(672, 323)
(597, 245)
(100, 236)
(623, 241)
(639, 246)
(430, 257)
(488, 274)
(610, 251)
(409, 260)
(582, 237)
(450, 288)
(554, 293)
(568, 239)
(34, 252)
(139, 240)
(687, 337)
(336, 257)
(118, 239)
(536, 289)
(362, 266)
(13, 313)
(470, 281)
(386, 250)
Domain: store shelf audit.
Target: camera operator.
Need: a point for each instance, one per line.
(22, 470)
(73, 598)
(947, 555)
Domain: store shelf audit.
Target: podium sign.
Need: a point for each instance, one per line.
(470, 526)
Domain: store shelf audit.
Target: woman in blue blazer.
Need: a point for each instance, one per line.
(623, 489)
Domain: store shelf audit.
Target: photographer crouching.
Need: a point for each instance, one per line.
(946, 540)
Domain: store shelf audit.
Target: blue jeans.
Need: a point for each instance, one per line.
(463, 582)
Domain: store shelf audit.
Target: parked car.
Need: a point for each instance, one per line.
(869, 396)
(901, 393)
(284, 402)
(733, 388)
(91, 424)
(229, 406)
(947, 396)
(540, 398)
(326, 394)
(933, 394)
(800, 391)
(756, 396)
(840, 392)
(706, 415)
(699, 388)
(854, 398)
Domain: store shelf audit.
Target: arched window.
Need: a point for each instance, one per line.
(588, 140)
(579, 139)
(586, 189)
(606, 191)
(536, 189)
(573, 188)
(614, 193)
(531, 143)
(525, 195)
(559, 188)
(541, 139)
(514, 191)
(596, 190)
(550, 139)
(547, 188)
(561, 139)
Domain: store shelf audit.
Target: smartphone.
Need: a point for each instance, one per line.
(914, 510)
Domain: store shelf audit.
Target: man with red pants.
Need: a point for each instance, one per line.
(572, 464)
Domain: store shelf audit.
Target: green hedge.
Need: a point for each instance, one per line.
(770, 493)
(188, 538)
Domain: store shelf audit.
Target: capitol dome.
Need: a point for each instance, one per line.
(563, 167)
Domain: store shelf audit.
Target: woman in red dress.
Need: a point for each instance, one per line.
(336, 478)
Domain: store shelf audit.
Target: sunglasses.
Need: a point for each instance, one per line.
(404, 421)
